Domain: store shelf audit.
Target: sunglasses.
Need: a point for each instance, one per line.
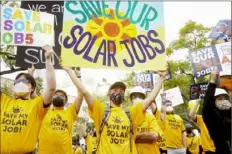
(23, 81)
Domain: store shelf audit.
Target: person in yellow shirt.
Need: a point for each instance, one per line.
(117, 135)
(193, 141)
(174, 128)
(77, 149)
(91, 141)
(57, 127)
(206, 141)
(21, 117)
(162, 140)
(149, 131)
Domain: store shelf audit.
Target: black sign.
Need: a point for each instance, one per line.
(26, 56)
(198, 91)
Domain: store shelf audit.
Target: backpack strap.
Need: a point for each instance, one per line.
(104, 120)
(131, 127)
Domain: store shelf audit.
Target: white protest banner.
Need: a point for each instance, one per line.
(21, 27)
(224, 54)
(173, 95)
(202, 60)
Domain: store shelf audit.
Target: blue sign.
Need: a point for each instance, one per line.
(222, 30)
(202, 61)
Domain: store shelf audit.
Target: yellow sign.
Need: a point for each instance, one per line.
(114, 35)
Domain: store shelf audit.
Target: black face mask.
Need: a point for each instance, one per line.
(117, 98)
(58, 101)
(189, 131)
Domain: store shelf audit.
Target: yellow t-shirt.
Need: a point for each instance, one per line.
(56, 131)
(149, 125)
(91, 143)
(20, 124)
(79, 151)
(173, 129)
(162, 141)
(116, 132)
(193, 144)
(206, 142)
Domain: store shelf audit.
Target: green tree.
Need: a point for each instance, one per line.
(192, 36)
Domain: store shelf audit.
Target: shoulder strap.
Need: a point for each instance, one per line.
(131, 126)
(105, 118)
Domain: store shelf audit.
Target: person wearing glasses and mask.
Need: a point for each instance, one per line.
(21, 117)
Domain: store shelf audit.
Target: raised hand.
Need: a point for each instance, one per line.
(162, 73)
(48, 51)
(163, 96)
(31, 70)
(214, 74)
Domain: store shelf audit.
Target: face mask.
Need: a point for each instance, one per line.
(117, 98)
(21, 89)
(137, 100)
(223, 105)
(189, 131)
(58, 101)
(169, 109)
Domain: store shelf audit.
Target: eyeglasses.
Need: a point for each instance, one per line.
(23, 81)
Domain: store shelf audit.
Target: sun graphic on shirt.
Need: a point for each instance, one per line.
(112, 29)
(16, 109)
(117, 120)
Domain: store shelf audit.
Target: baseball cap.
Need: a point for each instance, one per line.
(219, 92)
(118, 84)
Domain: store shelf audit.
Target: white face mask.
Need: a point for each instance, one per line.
(169, 109)
(137, 100)
(223, 105)
(21, 89)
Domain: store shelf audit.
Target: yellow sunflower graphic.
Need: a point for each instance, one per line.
(112, 29)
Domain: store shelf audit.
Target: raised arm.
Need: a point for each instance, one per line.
(78, 101)
(79, 85)
(50, 76)
(147, 102)
(209, 96)
(163, 106)
(193, 111)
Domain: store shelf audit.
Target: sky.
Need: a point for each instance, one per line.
(176, 14)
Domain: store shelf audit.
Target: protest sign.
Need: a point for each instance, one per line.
(26, 56)
(222, 30)
(145, 80)
(226, 82)
(202, 61)
(173, 95)
(26, 27)
(114, 35)
(198, 91)
(224, 54)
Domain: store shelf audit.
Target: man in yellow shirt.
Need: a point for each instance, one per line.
(206, 141)
(162, 140)
(174, 128)
(77, 149)
(149, 131)
(57, 127)
(118, 134)
(193, 141)
(21, 117)
(91, 141)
